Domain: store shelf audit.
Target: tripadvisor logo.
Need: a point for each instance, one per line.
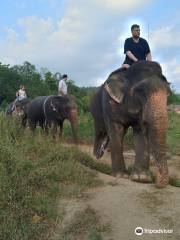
(139, 231)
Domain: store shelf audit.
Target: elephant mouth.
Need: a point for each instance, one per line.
(100, 150)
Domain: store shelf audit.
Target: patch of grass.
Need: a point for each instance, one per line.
(173, 136)
(34, 173)
(85, 223)
(152, 201)
(174, 182)
(85, 128)
(86, 160)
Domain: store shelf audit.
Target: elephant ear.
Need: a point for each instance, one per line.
(115, 86)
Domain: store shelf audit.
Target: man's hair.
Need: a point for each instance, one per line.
(134, 26)
(64, 76)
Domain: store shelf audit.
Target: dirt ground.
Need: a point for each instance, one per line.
(126, 205)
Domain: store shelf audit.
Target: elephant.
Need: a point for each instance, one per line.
(137, 98)
(51, 111)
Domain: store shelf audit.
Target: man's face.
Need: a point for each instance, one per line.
(136, 32)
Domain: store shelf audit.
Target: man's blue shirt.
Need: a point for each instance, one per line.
(139, 49)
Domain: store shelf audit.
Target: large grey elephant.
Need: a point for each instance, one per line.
(50, 112)
(136, 97)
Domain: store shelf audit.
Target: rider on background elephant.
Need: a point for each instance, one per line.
(17, 108)
(136, 98)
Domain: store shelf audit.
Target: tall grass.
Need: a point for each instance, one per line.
(85, 129)
(34, 172)
(173, 136)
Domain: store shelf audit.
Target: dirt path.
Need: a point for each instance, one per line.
(126, 205)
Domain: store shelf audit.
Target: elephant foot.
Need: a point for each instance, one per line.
(162, 178)
(121, 174)
(143, 177)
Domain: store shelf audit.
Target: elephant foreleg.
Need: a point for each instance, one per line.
(140, 171)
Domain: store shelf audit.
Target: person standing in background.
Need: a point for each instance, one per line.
(62, 87)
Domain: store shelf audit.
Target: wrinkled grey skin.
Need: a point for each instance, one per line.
(50, 112)
(135, 98)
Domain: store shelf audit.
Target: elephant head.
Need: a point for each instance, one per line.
(65, 107)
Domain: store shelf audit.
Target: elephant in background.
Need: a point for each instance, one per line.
(50, 112)
(136, 97)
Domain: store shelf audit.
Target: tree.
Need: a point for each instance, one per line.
(9, 83)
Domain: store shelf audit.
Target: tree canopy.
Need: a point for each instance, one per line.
(37, 84)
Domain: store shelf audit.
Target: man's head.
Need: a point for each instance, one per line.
(65, 77)
(135, 30)
(22, 87)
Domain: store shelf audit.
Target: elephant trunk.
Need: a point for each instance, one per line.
(157, 132)
(74, 123)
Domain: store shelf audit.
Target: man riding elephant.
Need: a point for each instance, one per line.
(136, 98)
(136, 48)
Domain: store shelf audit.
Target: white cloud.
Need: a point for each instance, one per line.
(84, 42)
(171, 70)
(36, 29)
(164, 37)
(11, 35)
(165, 42)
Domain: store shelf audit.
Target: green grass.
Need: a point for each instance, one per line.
(34, 173)
(85, 129)
(85, 225)
(173, 136)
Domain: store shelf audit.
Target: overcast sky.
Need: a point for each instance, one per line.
(85, 38)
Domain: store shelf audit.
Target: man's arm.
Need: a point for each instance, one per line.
(147, 51)
(149, 57)
(131, 56)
